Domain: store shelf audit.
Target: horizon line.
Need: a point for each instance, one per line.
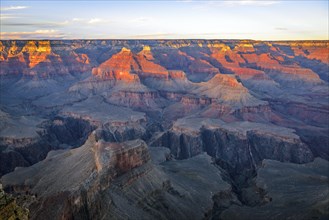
(155, 39)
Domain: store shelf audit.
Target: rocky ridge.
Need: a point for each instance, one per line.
(118, 181)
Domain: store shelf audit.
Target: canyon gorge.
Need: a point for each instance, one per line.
(164, 129)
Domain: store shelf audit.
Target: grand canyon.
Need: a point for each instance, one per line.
(164, 129)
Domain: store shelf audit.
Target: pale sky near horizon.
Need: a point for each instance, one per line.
(238, 19)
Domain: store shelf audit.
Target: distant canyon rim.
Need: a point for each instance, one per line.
(164, 129)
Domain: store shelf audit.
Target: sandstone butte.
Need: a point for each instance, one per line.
(126, 65)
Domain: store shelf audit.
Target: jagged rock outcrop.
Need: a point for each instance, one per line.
(111, 180)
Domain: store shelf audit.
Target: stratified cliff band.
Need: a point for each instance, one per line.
(164, 129)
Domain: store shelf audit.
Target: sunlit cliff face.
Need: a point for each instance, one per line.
(244, 58)
(123, 66)
(38, 58)
(36, 53)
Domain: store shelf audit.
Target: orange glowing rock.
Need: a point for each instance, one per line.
(2, 48)
(227, 57)
(263, 60)
(271, 64)
(122, 61)
(13, 50)
(44, 46)
(30, 47)
(317, 53)
(177, 74)
(321, 54)
(81, 58)
(146, 52)
(123, 66)
(244, 47)
(36, 58)
(232, 61)
(37, 54)
(148, 68)
(117, 67)
(221, 46)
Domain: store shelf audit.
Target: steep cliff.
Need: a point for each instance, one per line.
(238, 146)
(110, 180)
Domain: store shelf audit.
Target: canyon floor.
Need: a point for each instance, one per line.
(164, 129)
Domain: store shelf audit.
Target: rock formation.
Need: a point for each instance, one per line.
(112, 180)
(168, 129)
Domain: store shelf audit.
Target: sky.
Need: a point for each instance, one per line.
(175, 19)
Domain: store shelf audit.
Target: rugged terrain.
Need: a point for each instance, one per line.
(168, 129)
